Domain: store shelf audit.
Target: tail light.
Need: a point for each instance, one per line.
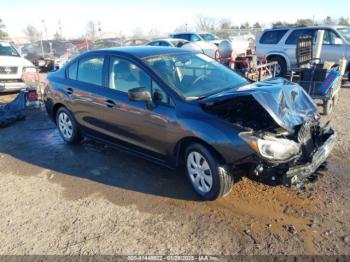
(32, 95)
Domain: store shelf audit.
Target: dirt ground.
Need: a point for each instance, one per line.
(92, 199)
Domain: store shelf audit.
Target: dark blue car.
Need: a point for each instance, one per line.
(182, 108)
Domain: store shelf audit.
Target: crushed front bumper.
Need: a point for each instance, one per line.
(299, 173)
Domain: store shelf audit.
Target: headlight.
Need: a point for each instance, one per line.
(272, 148)
(29, 69)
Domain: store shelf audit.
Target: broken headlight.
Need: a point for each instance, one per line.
(271, 147)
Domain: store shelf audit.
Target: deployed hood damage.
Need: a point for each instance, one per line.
(285, 102)
(282, 127)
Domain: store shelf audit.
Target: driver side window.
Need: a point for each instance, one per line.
(125, 75)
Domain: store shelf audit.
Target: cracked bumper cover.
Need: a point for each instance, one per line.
(300, 172)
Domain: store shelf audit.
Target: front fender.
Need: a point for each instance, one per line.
(219, 134)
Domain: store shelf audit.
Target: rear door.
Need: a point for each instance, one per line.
(86, 90)
(292, 40)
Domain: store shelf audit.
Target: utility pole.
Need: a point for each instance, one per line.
(45, 28)
(60, 28)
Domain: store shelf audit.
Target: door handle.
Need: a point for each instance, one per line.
(110, 103)
(69, 91)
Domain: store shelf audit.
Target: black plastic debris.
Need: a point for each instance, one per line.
(14, 110)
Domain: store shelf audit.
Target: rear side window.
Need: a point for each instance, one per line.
(72, 71)
(154, 43)
(163, 43)
(272, 37)
(90, 70)
(294, 36)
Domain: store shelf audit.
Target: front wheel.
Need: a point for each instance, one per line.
(67, 126)
(281, 66)
(209, 178)
(328, 106)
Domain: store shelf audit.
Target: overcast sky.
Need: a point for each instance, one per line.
(124, 16)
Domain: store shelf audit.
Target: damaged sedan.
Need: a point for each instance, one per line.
(181, 108)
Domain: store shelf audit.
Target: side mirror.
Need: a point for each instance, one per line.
(141, 94)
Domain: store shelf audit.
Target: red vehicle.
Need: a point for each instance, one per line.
(82, 45)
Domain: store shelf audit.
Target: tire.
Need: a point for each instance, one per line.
(281, 67)
(214, 180)
(67, 126)
(328, 106)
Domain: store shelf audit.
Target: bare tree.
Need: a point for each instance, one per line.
(137, 33)
(91, 30)
(329, 21)
(304, 22)
(257, 25)
(225, 24)
(205, 23)
(181, 28)
(32, 33)
(343, 21)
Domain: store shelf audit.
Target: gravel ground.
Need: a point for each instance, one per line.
(92, 199)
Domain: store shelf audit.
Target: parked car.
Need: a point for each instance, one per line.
(105, 43)
(12, 68)
(280, 45)
(44, 54)
(135, 42)
(179, 107)
(82, 45)
(209, 37)
(175, 42)
(168, 42)
(207, 48)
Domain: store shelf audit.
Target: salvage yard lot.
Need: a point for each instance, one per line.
(92, 199)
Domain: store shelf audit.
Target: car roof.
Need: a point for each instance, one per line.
(169, 39)
(143, 51)
(306, 27)
(186, 33)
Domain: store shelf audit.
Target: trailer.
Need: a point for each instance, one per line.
(322, 81)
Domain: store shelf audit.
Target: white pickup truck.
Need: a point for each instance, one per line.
(12, 68)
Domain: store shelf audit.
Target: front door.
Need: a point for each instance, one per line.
(333, 47)
(134, 122)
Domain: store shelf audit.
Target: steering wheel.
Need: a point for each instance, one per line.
(201, 77)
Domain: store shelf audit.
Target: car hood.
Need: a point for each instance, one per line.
(287, 103)
(14, 61)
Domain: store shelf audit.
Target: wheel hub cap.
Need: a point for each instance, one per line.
(65, 125)
(199, 172)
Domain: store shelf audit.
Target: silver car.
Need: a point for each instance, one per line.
(280, 45)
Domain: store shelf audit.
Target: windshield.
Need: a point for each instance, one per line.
(6, 49)
(209, 37)
(345, 32)
(194, 75)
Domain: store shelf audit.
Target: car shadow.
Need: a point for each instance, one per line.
(36, 141)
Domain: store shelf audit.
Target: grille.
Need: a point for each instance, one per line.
(7, 70)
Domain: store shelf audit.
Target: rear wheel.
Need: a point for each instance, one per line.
(328, 106)
(281, 67)
(67, 126)
(209, 178)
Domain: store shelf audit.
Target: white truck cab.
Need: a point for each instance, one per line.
(12, 68)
